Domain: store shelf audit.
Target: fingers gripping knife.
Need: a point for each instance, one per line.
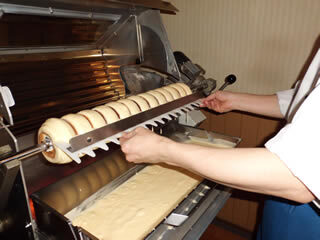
(194, 74)
(194, 117)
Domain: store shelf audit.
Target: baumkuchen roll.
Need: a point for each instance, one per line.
(70, 193)
(143, 104)
(55, 198)
(96, 119)
(58, 130)
(185, 87)
(93, 178)
(108, 113)
(123, 165)
(112, 167)
(78, 122)
(103, 172)
(71, 125)
(165, 93)
(150, 99)
(180, 89)
(120, 108)
(173, 91)
(160, 98)
(82, 185)
(131, 105)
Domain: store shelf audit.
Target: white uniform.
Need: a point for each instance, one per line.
(297, 144)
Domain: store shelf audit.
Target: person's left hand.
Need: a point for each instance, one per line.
(142, 145)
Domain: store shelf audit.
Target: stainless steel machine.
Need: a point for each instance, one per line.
(63, 56)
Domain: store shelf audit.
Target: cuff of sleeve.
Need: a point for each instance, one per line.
(284, 99)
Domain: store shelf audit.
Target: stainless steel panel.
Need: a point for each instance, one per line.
(122, 40)
(199, 227)
(198, 220)
(156, 43)
(39, 173)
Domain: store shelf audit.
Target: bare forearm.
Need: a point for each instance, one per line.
(266, 105)
(256, 170)
(251, 169)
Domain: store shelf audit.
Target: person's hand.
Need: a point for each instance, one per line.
(142, 145)
(220, 101)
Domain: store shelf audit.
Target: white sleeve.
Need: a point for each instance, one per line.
(297, 144)
(284, 99)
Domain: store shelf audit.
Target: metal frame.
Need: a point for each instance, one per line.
(113, 31)
(5, 106)
(56, 12)
(44, 54)
(164, 6)
(198, 220)
(209, 212)
(103, 11)
(7, 137)
(153, 20)
(139, 39)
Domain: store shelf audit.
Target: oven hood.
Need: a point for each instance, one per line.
(94, 5)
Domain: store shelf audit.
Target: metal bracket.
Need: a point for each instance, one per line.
(139, 40)
(112, 32)
(176, 219)
(8, 142)
(192, 119)
(6, 101)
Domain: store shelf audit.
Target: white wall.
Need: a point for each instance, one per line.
(264, 42)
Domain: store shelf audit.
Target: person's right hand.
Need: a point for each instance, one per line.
(142, 145)
(220, 101)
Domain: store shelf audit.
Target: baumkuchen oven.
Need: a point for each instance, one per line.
(75, 75)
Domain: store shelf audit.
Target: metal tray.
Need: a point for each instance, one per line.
(200, 206)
